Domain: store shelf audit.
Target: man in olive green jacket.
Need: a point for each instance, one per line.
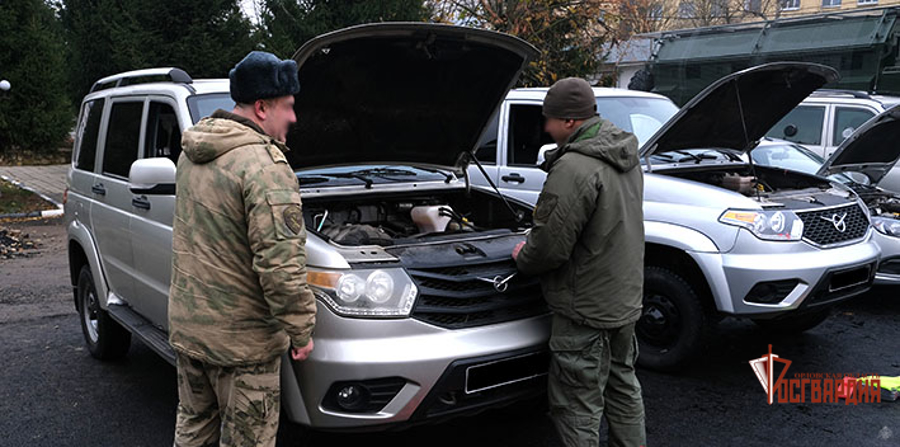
(587, 245)
(238, 298)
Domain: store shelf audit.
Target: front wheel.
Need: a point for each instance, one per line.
(673, 326)
(106, 339)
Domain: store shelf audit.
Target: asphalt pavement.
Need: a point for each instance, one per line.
(53, 393)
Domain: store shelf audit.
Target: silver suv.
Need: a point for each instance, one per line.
(826, 118)
(387, 116)
(723, 237)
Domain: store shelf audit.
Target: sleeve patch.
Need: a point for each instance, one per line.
(545, 206)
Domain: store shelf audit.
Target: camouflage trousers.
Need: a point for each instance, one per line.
(592, 375)
(227, 406)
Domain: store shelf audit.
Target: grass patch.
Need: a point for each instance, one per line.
(16, 200)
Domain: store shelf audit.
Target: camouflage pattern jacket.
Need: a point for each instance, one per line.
(238, 294)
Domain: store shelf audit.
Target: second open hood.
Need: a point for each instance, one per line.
(872, 150)
(736, 111)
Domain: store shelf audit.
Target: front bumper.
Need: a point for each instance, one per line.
(889, 268)
(823, 276)
(424, 361)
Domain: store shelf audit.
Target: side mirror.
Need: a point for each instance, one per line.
(790, 130)
(541, 157)
(152, 176)
(847, 132)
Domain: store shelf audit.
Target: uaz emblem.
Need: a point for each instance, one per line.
(837, 221)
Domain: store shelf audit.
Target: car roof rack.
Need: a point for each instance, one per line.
(145, 76)
(858, 94)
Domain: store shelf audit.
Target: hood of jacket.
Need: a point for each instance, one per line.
(214, 136)
(600, 139)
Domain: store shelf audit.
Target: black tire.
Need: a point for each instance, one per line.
(106, 339)
(795, 324)
(674, 327)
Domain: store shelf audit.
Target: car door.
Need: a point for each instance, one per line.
(519, 174)
(82, 176)
(111, 208)
(844, 120)
(152, 214)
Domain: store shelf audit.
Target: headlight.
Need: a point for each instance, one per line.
(767, 225)
(886, 225)
(365, 293)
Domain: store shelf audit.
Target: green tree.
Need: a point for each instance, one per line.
(287, 24)
(35, 113)
(203, 37)
(569, 33)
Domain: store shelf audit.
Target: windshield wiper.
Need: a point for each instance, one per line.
(352, 175)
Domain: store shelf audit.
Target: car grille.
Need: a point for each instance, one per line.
(819, 229)
(454, 297)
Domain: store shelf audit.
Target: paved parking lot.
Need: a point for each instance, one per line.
(52, 393)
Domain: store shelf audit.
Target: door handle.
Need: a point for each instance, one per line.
(99, 189)
(513, 178)
(141, 202)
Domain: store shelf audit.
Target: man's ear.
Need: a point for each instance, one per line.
(260, 109)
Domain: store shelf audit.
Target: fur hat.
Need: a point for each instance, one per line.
(262, 75)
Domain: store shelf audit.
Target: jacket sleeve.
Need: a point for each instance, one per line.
(565, 206)
(277, 236)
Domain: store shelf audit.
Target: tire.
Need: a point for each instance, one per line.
(106, 339)
(795, 324)
(674, 327)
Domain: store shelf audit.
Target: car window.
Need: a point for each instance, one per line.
(122, 138)
(87, 134)
(802, 125)
(640, 116)
(163, 132)
(846, 120)
(202, 106)
(526, 134)
(487, 144)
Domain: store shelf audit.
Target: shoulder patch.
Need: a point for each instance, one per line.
(276, 153)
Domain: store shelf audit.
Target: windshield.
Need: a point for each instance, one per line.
(202, 106)
(640, 116)
(792, 157)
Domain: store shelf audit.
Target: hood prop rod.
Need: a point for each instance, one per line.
(516, 214)
(737, 93)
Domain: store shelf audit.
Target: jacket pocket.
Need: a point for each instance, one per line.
(287, 213)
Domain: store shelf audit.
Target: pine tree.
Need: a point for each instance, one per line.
(287, 24)
(203, 37)
(35, 113)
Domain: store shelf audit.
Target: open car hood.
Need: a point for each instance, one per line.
(873, 149)
(736, 111)
(401, 93)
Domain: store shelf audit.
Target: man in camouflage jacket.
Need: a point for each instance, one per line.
(238, 298)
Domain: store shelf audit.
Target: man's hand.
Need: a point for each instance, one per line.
(301, 354)
(515, 253)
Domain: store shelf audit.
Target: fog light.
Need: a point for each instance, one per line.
(771, 292)
(351, 397)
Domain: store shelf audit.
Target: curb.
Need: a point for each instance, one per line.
(43, 214)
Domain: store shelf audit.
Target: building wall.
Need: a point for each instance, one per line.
(667, 15)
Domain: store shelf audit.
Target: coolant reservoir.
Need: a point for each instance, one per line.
(429, 218)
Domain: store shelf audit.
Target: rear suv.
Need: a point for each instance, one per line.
(826, 118)
(451, 328)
